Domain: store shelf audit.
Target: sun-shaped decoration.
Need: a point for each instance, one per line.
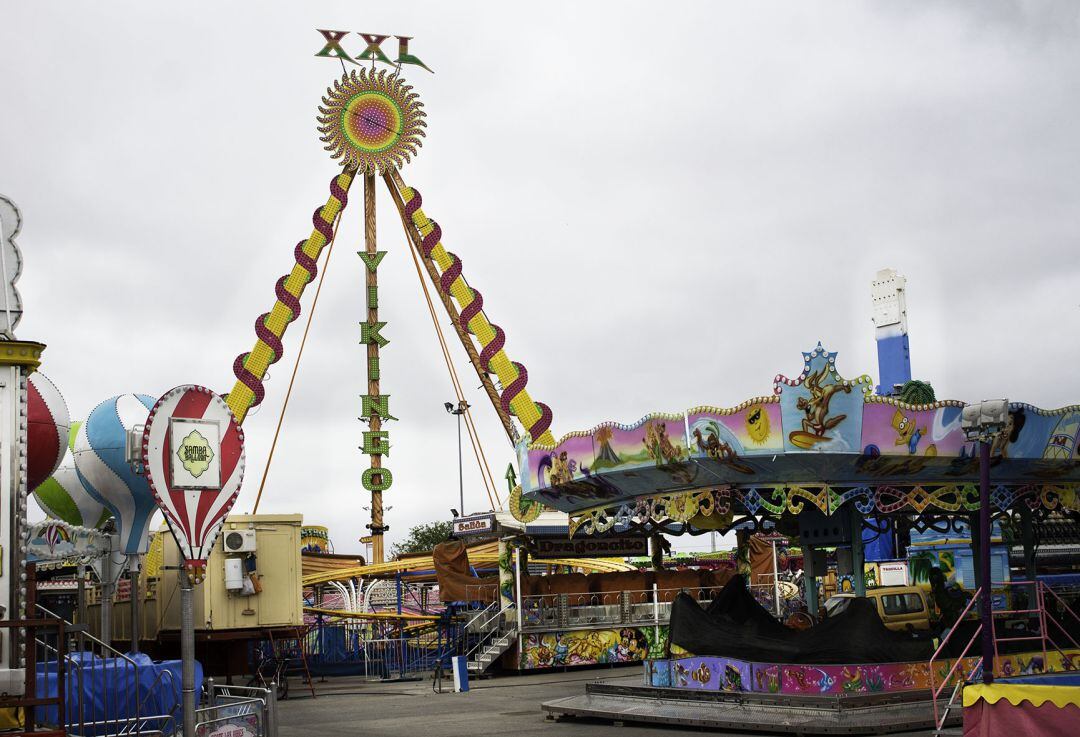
(371, 120)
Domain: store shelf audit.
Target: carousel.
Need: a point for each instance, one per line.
(829, 462)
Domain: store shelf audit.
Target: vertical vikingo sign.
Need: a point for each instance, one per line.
(374, 406)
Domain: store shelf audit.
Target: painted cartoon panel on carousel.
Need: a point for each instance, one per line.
(822, 411)
(816, 427)
(649, 454)
(588, 647)
(836, 679)
(892, 428)
(711, 674)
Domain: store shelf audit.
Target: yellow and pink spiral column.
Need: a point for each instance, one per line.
(250, 368)
(534, 416)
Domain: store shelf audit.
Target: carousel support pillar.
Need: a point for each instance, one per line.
(975, 529)
(985, 614)
(519, 561)
(657, 550)
(858, 557)
(507, 574)
(1027, 534)
(810, 580)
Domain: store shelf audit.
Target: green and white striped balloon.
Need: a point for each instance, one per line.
(63, 497)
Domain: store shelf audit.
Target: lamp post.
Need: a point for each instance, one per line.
(981, 422)
(462, 405)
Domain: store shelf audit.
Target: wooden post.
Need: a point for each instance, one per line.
(374, 420)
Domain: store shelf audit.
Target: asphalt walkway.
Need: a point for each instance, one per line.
(498, 706)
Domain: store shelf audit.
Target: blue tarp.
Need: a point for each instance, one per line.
(878, 546)
(113, 690)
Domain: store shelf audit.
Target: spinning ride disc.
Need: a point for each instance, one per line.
(372, 121)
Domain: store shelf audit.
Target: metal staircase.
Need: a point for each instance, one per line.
(497, 631)
(493, 649)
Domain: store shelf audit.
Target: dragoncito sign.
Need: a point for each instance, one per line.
(609, 547)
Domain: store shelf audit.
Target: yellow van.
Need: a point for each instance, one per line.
(901, 608)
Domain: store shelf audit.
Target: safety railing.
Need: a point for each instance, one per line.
(1035, 620)
(936, 690)
(488, 625)
(613, 608)
(101, 688)
(1046, 623)
(241, 710)
(44, 651)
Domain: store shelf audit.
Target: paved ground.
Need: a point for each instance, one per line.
(499, 706)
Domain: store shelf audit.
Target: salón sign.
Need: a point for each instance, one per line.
(372, 51)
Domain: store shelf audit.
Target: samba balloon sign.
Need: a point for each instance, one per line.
(102, 466)
(193, 453)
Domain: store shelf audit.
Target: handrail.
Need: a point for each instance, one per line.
(1043, 590)
(488, 635)
(936, 691)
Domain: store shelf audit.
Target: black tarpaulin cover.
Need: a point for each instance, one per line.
(736, 626)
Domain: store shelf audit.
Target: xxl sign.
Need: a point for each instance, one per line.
(605, 547)
(372, 51)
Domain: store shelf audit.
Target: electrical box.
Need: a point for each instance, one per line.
(239, 541)
(234, 574)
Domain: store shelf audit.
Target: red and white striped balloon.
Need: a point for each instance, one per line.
(195, 516)
(47, 427)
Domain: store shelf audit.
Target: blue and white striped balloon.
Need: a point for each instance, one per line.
(101, 462)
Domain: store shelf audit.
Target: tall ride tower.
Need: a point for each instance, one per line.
(890, 323)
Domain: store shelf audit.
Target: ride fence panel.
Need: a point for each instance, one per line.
(382, 650)
(237, 710)
(639, 607)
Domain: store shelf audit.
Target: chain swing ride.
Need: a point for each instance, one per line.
(372, 123)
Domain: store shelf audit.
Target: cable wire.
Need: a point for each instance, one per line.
(481, 458)
(296, 364)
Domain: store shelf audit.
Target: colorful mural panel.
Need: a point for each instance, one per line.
(586, 647)
(711, 674)
(756, 428)
(766, 678)
(895, 429)
(839, 679)
(726, 674)
(655, 440)
(884, 456)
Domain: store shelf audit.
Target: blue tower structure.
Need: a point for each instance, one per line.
(890, 327)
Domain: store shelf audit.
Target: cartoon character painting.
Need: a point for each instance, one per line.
(757, 424)
(817, 422)
(908, 434)
(658, 444)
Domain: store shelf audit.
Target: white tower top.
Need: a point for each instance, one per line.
(890, 306)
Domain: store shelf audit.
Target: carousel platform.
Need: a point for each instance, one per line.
(752, 712)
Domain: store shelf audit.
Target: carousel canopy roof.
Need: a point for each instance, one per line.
(818, 438)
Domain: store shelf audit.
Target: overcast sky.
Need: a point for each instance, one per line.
(663, 205)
